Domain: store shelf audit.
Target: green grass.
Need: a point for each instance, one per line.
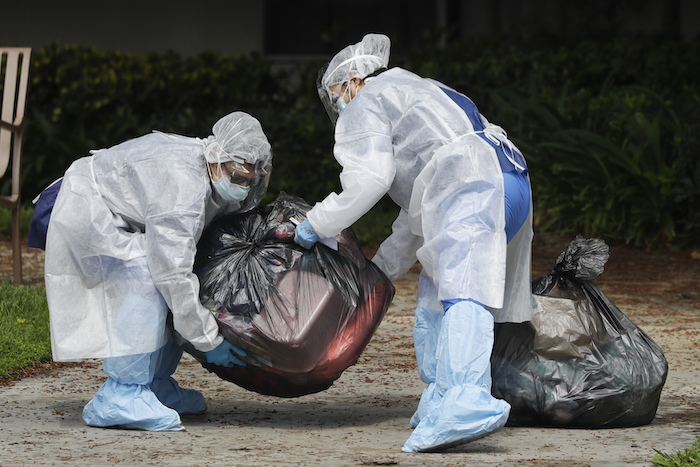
(688, 457)
(24, 327)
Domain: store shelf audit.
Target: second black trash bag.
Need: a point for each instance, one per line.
(302, 316)
(580, 362)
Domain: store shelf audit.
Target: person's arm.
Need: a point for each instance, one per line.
(364, 150)
(397, 254)
(171, 243)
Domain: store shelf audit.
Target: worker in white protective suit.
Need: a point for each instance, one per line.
(120, 249)
(466, 216)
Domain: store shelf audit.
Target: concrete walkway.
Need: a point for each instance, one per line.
(363, 419)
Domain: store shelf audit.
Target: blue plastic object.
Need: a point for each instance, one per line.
(453, 350)
(36, 238)
(517, 201)
(446, 304)
(305, 235)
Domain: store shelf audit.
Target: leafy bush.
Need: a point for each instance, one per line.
(609, 171)
(82, 99)
(25, 218)
(610, 129)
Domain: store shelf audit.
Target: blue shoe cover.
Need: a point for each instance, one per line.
(459, 407)
(428, 401)
(166, 389)
(426, 331)
(184, 401)
(425, 337)
(131, 406)
(463, 414)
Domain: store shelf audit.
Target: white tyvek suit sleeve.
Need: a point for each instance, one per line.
(171, 242)
(364, 150)
(397, 254)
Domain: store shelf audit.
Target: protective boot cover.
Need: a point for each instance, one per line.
(125, 400)
(454, 353)
(166, 389)
(302, 316)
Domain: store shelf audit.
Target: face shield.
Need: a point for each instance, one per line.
(355, 61)
(242, 158)
(258, 186)
(239, 183)
(329, 98)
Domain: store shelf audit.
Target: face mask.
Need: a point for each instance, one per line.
(340, 102)
(341, 105)
(231, 192)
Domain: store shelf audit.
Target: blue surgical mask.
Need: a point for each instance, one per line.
(341, 105)
(231, 192)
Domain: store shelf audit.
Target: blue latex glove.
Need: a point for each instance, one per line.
(446, 304)
(305, 235)
(224, 355)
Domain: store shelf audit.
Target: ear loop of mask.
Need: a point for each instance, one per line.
(340, 102)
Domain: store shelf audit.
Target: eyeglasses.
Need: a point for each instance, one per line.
(236, 178)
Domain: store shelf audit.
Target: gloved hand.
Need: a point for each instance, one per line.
(305, 235)
(224, 355)
(446, 304)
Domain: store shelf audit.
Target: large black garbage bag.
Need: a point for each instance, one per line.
(580, 362)
(302, 316)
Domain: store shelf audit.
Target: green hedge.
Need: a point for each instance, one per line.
(82, 99)
(610, 130)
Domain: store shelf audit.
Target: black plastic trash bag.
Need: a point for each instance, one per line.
(302, 316)
(580, 362)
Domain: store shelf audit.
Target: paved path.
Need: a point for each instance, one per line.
(363, 418)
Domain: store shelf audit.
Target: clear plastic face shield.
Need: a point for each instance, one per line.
(249, 180)
(360, 61)
(334, 86)
(329, 98)
(239, 160)
(258, 185)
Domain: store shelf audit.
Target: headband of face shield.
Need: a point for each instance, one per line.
(239, 139)
(355, 61)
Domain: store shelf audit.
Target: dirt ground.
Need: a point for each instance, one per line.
(363, 418)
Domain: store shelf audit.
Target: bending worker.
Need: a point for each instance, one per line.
(120, 249)
(465, 215)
